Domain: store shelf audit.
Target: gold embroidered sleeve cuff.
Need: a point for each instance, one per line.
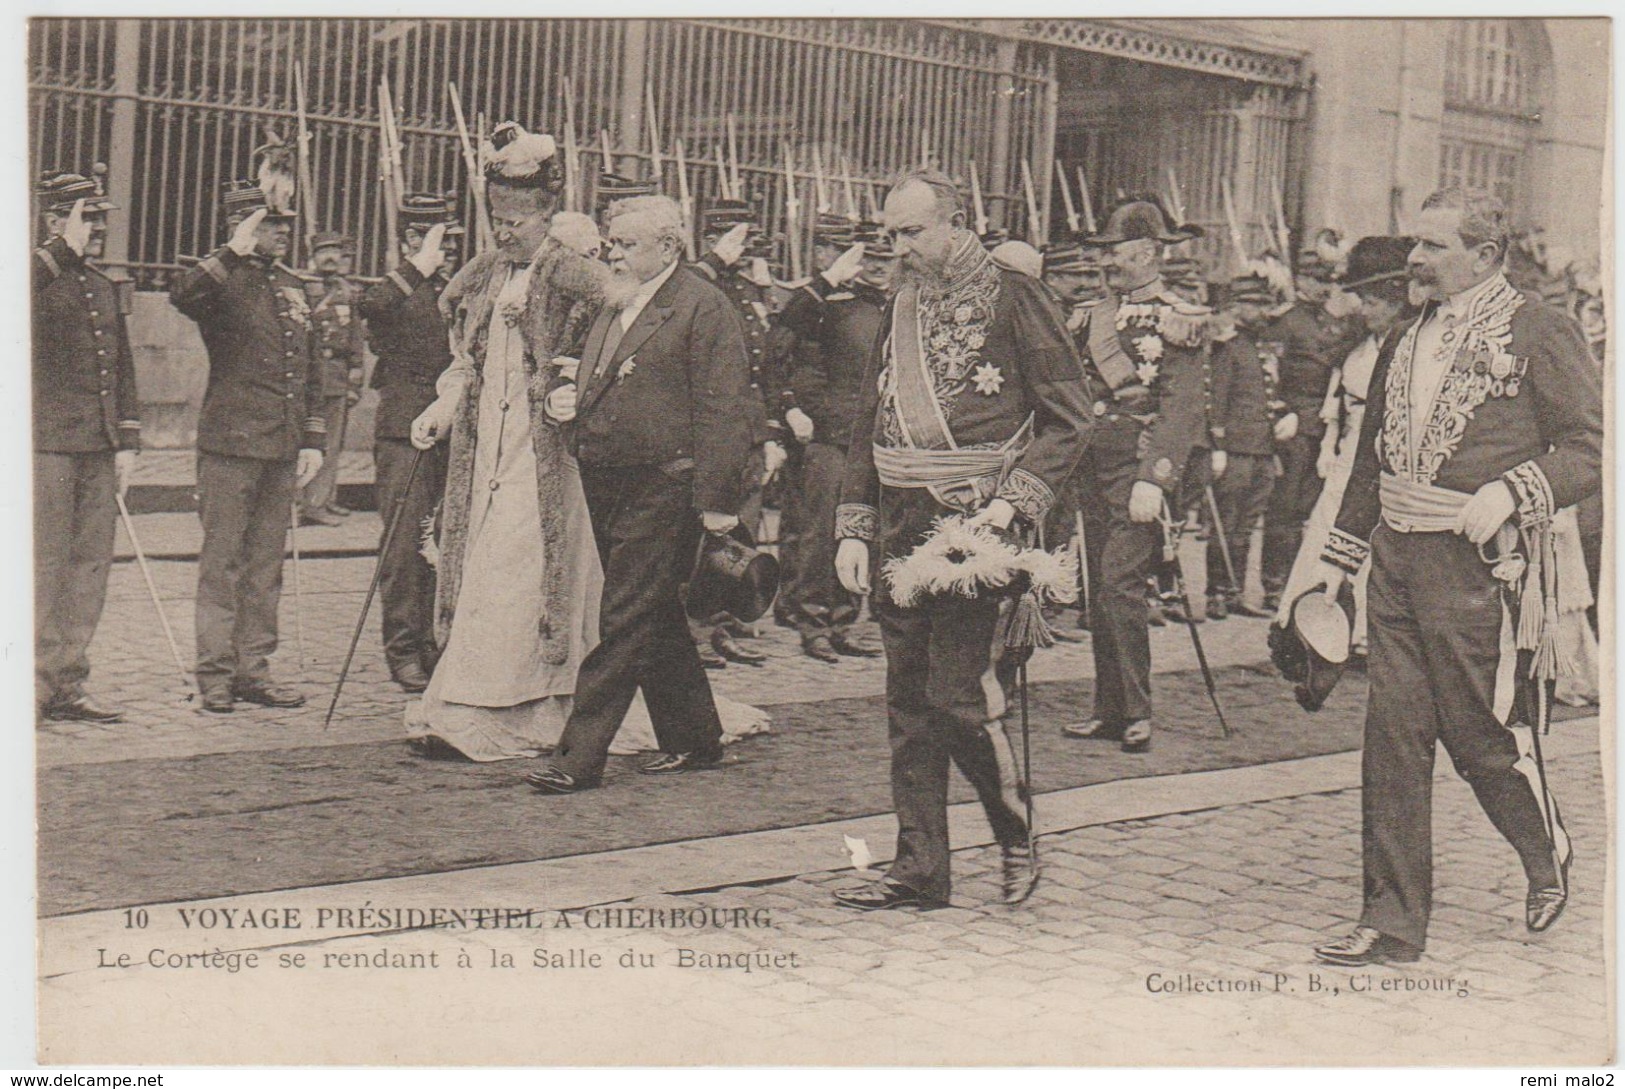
(857, 520)
(1031, 497)
(315, 425)
(1345, 551)
(1533, 493)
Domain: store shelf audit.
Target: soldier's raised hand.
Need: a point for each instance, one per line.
(430, 257)
(846, 266)
(76, 231)
(243, 238)
(731, 246)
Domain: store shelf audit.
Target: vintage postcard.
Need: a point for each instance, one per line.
(768, 541)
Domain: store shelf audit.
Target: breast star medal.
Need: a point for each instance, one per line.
(987, 379)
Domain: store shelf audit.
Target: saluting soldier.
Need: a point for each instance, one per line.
(1144, 349)
(1484, 419)
(733, 262)
(402, 312)
(342, 345)
(261, 437)
(1245, 407)
(835, 318)
(1309, 341)
(974, 404)
(87, 430)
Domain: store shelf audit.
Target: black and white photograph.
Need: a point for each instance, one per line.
(817, 541)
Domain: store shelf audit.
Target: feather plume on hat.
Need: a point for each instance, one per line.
(1276, 272)
(518, 158)
(274, 173)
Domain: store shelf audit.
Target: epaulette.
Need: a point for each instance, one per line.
(1186, 324)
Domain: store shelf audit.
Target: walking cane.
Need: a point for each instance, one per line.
(1224, 541)
(152, 591)
(377, 577)
(298, 589)
(1170, 563)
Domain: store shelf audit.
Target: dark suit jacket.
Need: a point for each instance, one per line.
(265, 382)
(676, 392)
(84, 374)
(409, 336)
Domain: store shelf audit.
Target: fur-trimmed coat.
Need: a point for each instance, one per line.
(565, 292)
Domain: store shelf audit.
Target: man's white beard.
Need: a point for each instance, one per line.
(619, 290)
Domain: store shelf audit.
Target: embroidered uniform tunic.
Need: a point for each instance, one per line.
(1490, 386)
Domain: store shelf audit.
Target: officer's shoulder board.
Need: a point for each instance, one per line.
(1186, 324)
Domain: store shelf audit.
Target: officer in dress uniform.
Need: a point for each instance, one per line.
(974, 403)
(402, 312)
(1484, 419)
(1144, 352)
(87, 430)
(734, 262)
(341, 345)
(261, 437)
(1245, 407)
(1309, 342)
(835, 318)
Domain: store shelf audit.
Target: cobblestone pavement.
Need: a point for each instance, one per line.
(1180, 938)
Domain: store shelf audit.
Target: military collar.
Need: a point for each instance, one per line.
(1151, 292)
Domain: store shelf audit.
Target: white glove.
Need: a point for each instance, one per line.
(801, 425)
(1331, 576)
(718, 523)
(1144, 502)
(846, 267)
(568, 366)
(306, 468)
(123, 469)
(430, 256)
(434, 424)
(852, 565)
(731, 246)
(773, 459)
(242, 239)
(76, 232)
(560, 405)
(1220, 461)
(998, 513)
(1286, 428)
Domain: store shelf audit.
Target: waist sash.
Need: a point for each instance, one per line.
(1106, 350)
(956, 478)
(1409, 506)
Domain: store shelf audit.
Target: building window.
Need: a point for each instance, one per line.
(1492, 72)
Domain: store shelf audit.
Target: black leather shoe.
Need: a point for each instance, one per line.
(553, 780)
(1066, 635)
(1241, 608)
(879, 895)
(218, 701)
(1137, 736)
(267, 694)
(1155, 615)
(818, 646)
(342, 512)
(411, 677)
(317, 516)
(1096, 729)
(432, 747)
(1018, 871)
(709, 658)
(724, 644)
(668, 763)
(850, 645)
(1367, 945)
(1544, 905)
(81, 708)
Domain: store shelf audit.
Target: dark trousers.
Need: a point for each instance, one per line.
(1435, 618)
(245, 505)
(648, 534)
(324, 486)
(1119, 556)
(936, 711)
(1291, 503)
(406, 581)
(818, 604)
(74, 516)
(1242, 494)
